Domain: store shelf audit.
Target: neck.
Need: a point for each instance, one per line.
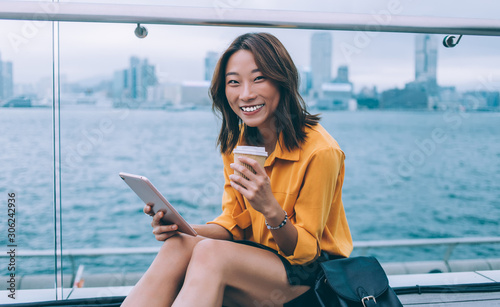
(270, 139)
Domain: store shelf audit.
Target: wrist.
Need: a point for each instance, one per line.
(273, 213)
(275, 216)
(281, 225)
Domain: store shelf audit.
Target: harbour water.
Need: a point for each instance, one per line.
(408, 175)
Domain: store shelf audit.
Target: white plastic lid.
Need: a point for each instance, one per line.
(251, 150)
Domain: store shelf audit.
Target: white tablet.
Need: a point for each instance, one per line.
(149, 194)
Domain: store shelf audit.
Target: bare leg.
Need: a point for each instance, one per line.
(161, 282)
(236, 275)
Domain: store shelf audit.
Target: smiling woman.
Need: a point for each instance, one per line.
(270, 74)
(278, 222)
(252, 96)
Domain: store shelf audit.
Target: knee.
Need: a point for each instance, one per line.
(208, 255)
(180, 244)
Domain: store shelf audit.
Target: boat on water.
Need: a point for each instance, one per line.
(426, 283)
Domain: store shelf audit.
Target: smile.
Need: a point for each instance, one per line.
(252, 108)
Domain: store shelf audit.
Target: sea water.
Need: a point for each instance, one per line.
(408, 175)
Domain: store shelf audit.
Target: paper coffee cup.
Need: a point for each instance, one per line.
(259, 154)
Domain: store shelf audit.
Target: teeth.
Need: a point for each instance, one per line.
(251, 109)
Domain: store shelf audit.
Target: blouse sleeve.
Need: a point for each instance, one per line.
(235, 217)
(319, 201)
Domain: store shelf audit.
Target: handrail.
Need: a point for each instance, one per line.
(450, 242)
(236, 17)
(425, 242)
(365, 245)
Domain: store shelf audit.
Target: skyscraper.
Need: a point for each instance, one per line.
(119, 84)
(210, 63)
(342, 74)
(1, 77)
(141, 75)
(6, 80)
(134, 77)
(426, 61)
(133, 83)
(321, 59)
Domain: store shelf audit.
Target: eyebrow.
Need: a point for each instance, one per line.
(237, 74)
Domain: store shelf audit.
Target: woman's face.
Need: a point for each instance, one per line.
(252, 96)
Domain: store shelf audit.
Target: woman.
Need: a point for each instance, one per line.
(276, 226)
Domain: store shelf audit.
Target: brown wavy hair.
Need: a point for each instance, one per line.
(274, 63)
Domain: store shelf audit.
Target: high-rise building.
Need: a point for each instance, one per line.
(305, 80)
(426, 62)
(6, 80)
(141, 75)
(321, 59)
(134, 77)
(342, 74)
(210, 63)
(148, 74)
(119, 84)
(1, 77)
(132, 84)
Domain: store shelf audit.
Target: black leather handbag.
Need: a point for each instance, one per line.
(354, 282)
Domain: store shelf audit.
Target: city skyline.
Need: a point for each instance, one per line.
(180, 51)
(139, 85)
(474, 77)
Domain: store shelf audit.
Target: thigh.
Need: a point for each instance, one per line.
(254, 277)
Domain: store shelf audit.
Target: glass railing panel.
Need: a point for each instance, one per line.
(430, 180)
(407, 158)
(121, 112)
(26, 156)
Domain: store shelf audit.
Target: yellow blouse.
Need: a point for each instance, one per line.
(307, 183)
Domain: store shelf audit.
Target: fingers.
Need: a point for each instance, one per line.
(234, 183)
(148, 209)
(157, 219)
(244, 183)
(254, 164)
(243, 170)
(165, 236)
(163, 232)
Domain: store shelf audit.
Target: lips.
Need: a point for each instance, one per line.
(252, 108)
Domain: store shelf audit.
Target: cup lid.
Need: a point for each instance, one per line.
(251, 150)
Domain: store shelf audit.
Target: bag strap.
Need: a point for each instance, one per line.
(463, 288)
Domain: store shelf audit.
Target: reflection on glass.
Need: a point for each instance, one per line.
(418, 124)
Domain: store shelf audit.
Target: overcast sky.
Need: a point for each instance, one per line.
(94, 51)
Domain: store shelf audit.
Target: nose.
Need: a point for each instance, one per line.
(247, 93)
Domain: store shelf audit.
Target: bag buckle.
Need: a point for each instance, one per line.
(367, 298)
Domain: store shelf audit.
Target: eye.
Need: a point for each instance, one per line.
(232, 82)
(260, 78)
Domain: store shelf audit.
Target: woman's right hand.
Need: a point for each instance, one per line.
(161, 231)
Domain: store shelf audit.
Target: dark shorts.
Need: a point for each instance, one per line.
(303, 275)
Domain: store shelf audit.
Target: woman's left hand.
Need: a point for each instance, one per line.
(257, 189)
